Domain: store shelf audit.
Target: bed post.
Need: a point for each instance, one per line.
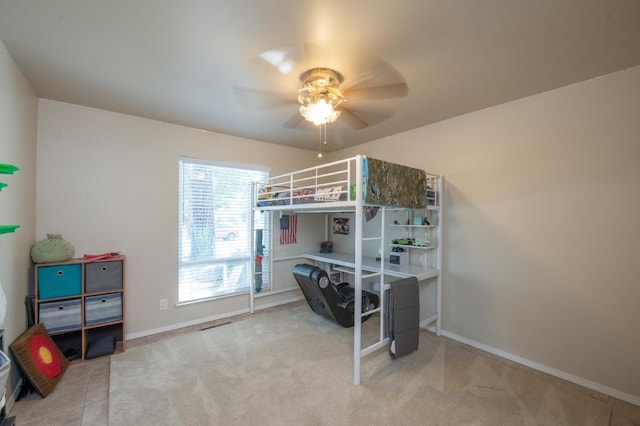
(254, 202)
(357, 310)
(440, 203)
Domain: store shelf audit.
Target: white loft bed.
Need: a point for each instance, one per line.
(350, 186)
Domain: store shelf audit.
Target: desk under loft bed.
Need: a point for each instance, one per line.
(360, 185)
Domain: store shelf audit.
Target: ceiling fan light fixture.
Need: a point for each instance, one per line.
(320, 95)
(320, 112)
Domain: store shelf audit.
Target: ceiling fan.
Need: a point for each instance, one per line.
(320, 97)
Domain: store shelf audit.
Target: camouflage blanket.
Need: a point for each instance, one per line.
(392, 184)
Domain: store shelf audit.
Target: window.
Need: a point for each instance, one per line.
(215, 223)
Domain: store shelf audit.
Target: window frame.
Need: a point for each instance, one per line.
(228, 261)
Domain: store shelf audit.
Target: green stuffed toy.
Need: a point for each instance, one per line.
(53, 249)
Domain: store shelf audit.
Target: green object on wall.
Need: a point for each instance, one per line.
(5, 229)
(8, 169)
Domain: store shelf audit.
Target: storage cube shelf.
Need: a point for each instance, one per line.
(81, 302)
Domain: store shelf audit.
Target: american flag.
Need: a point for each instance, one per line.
(288, 229)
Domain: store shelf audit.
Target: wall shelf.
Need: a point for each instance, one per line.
(427, 247)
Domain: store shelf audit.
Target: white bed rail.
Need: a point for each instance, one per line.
(312, 187)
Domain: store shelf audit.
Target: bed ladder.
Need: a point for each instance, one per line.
(358, 350)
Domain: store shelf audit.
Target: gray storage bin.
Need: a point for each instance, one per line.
(61, 315)
(103, 276)
(103, 308)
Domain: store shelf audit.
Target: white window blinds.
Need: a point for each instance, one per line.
(215, 223)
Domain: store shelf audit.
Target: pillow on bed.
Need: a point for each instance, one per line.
(282, 198)
(332, 193)
(265, 196)
(302, 196)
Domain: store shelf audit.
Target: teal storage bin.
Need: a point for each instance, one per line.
(59, 281)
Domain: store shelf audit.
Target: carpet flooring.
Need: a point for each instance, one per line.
(293, 367)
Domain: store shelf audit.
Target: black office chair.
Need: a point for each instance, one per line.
(335, 302)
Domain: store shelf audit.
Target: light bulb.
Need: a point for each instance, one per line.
(319, 112)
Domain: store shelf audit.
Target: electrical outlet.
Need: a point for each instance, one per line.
(164, 304)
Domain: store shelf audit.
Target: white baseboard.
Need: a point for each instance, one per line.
(280, 302)
(203, 320)
(546, 369)
(176, 326)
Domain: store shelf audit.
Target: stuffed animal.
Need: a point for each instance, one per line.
(53, 249)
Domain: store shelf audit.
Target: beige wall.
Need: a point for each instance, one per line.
(541, 227)
(109, 182)
(18, 117)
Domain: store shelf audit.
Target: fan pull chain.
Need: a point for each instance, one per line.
(320, 142)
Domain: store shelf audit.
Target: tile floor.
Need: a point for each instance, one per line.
(82, 396)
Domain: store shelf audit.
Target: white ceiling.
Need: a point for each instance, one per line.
(184, 61)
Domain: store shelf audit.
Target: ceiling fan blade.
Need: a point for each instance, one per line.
(351, 119)
(284, 60)
(289, 60)
(262, 99)
(397, 90)
(294, 121)
(373, 114)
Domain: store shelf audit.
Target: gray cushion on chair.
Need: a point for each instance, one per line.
(403, 320)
